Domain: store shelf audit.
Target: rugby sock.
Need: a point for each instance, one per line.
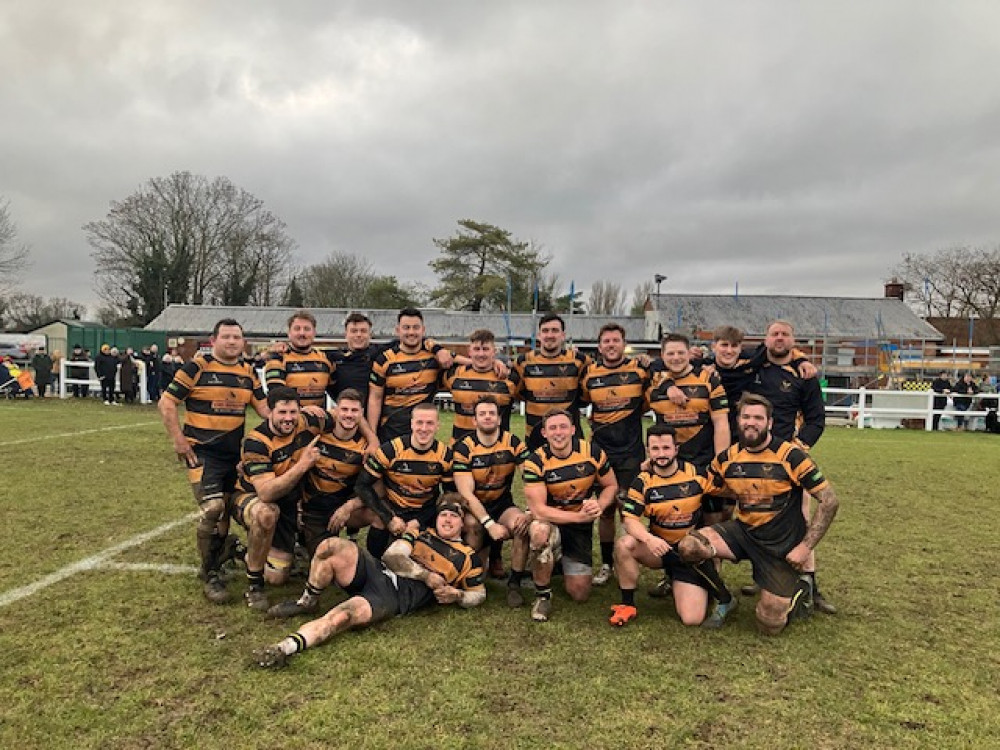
(608, 553)
(706, 569)
(628, 597)
(293, 644)
(516, 576)
(255, 579)
(378, 542)
(543, 592)
(496, 552)
(352, 533)
(309, 595)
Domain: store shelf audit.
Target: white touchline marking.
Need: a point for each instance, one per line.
(89, 563)
(152, 567)
(80, 432)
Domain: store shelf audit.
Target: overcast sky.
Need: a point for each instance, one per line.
(790, 147)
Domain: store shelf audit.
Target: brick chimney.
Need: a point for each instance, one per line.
(894, 289)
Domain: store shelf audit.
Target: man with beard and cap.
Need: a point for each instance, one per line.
(419, 569)
(767, 476)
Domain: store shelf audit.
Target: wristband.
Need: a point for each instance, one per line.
(486, 522)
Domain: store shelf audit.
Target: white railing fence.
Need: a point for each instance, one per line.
(887, 409)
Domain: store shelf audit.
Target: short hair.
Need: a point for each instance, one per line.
(675, 337)
(608, 327)
(659, 429)
(729, 334)
(281, 393)
(754, 399)
(549, 317)
(486, 399)
(482, 336)
(452, 501)
(302, 315)
(356, 317)
(781, 322)
(424, 406)
(556, 413)
(225, 322)
(351, 394)
(409, 312)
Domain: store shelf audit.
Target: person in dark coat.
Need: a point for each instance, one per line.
(106, 365)
(41, 363)
(128, 376)
(964, 389)
(942, 387)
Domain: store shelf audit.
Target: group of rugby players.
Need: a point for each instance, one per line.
(433, 510)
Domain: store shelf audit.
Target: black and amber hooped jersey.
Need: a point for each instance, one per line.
(453, 560)
(617, 397)
(672, 504)
(309, 372)
(570, 480)
(412, 478)
(693, 421)
(492, 466)
(336, 470)
(216, 397)
(406, 380)
(548, 382)
(468, 385)
(266, 453)
(766, 483)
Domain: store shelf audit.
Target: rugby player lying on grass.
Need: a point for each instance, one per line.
(418, 569)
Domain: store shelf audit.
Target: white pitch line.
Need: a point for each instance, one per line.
(79, 432)
(152, 567)
(89, 563)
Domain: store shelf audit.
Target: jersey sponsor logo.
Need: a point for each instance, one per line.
(785, 386)
(657, 495)
(214, 379)
(597, 383)
(463, 385)
(553, 477)
(403, 467)
(536, 371)
(397, 370)
(479, 463)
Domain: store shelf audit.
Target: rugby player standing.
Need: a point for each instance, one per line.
(216, 389)
(615, 385)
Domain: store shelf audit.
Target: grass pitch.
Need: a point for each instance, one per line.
(122, 657)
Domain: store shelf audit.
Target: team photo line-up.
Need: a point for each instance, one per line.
(723, 473)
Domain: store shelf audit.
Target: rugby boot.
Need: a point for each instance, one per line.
(292, 608)
(497, 571)
(270, 657)
(515, 598)
(751, 589)
(256, 598)
(603, 575)
(718, 616)
(822, 604)
(214, 589)
(661, 590)
(622, 614)
(802, 601)
(541, 609)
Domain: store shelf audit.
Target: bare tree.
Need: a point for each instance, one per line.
(13, 254)
(606, 298)
(26, 311)
(342, 280)
(642, 292)
(184, 238)
(958, 281)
